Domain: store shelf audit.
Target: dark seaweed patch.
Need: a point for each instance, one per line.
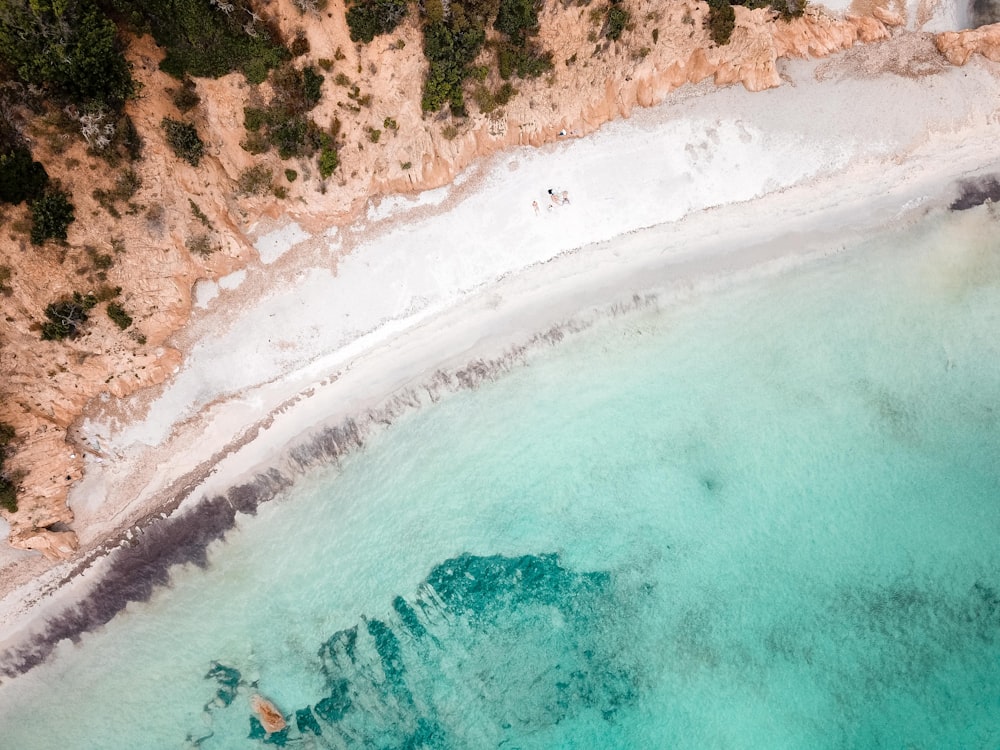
(306, 722)
(480, 631)
(974, 193)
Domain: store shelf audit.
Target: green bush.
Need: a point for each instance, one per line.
(66, 316)
(183, 138)
(203, 41)
(291, 175)
(721, 21)
(453, 41)
(312, 85)
(367, 19)
(788, 9)
(186, 96)
(21, 178)
(283, 124)
(51, 215)
(299, 45)
(69, 47)
(618, 19)
(117, 313)
(328, 161)
(8, 495)
(525, 61)
(518, 19)
(8, 490)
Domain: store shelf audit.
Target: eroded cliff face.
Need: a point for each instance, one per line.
(47, 384)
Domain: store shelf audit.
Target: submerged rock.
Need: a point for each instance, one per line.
(270, 717)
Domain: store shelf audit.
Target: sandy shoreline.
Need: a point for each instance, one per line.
(710, 186)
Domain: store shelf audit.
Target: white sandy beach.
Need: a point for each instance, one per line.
(711, 185)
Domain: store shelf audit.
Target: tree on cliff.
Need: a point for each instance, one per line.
(66, 46)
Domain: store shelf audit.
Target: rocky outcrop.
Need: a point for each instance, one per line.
(270, 717)
(959, 46)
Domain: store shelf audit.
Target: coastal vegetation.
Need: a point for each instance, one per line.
(722, 18)
(70, 48)
(183, 138)
(453, 39)
(8, 484)
(206, 38)
(284, 123)
(367, 19)
(117, 313)
(51, 215)
(66, 316)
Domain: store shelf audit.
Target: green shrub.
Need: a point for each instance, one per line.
(291, 175)
(389, 123)
(374, 134)
(51, 215)
(299, 45)
(721, 21)
(186, 96)
(525, 61)
(518, 19)
(66, 316)
(283, 123)
(367, 19)
(8, 495)
(312, 85)
(21, 178)
(328, 161)
(202, 41)
(183, 138)
(618, 19)
(8, 489)
(117, 313)
(69, 47)
(453, 41)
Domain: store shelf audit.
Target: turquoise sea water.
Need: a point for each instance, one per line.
(767, 517)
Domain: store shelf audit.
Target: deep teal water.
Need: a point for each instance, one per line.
(766, 517)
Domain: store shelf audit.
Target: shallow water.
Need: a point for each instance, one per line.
(765, 517)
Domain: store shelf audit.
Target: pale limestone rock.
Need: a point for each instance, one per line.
(55, 545)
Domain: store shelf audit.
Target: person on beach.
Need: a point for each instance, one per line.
(554, 197)
(534, 205)
(565, 197)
